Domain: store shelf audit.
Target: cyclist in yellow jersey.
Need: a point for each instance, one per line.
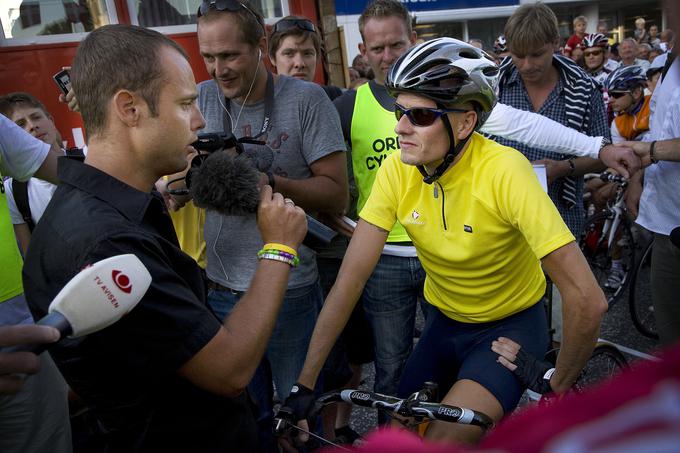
(482, 226)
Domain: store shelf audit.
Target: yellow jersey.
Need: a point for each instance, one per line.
(480, 230)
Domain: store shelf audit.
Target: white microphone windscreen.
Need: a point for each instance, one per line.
(102, 293)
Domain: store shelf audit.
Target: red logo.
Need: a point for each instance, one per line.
(122, 281)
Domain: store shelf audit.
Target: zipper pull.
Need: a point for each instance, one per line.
(436, 192)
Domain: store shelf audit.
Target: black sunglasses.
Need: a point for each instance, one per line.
(590, 53)
(618, 94)
(289, 24)
(422, 116)
(226, 5)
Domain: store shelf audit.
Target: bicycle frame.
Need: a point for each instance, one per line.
(612, 223)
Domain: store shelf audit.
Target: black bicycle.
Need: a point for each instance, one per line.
(639, 302)
(411, 412)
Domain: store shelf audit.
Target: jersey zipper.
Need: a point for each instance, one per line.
(436, 195)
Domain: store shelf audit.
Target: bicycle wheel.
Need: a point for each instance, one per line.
(605, 362)
(639, 299)
(599, 255)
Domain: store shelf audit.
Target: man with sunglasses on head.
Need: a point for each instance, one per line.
(367, 116)
(470, 207)
(295, 49)
(301, 156)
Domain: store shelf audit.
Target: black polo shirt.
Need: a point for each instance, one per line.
(128, 372)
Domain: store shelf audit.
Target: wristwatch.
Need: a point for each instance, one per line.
(605, 142)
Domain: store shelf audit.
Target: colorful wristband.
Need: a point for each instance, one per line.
(277, 246)
(266, 255)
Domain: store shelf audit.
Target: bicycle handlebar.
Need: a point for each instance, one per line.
(414, 406)
(611, 177)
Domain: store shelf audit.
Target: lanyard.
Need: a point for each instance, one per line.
(268, 105)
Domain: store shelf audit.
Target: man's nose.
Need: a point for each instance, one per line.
(298, 61)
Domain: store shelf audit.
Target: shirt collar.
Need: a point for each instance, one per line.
(129, 201)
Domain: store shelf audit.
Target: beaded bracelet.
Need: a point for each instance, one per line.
(277, 246)
(278, 255)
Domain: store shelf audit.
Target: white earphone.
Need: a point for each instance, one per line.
(259, 53)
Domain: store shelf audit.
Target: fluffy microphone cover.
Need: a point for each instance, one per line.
(226, 184)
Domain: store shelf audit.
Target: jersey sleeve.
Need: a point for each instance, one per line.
(523, 203)
(538, 131)
(21, 155)
(381, 207)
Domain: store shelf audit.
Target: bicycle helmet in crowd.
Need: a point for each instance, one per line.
(448, 71)
(500, 45)
(595, 40)
(626, 78)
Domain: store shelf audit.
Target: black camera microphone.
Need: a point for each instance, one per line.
(228, 185)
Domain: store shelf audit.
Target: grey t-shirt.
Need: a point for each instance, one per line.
(304, 128)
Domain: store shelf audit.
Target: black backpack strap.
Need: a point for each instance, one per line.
(20, 192)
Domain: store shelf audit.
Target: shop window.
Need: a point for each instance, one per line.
(427, 32)
(35, 18)
(487, 30)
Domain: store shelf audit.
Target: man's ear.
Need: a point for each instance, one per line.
(126, 107)
(362, 49)
(466, 125)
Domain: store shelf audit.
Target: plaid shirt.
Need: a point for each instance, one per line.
(514, 93)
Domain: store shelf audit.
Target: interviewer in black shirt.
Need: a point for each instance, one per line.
(169, 376)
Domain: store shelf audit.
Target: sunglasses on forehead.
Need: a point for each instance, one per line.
(422, 116)
(289, 24)
(226, 5)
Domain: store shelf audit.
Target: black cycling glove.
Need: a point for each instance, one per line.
(533, 373)
(301, 401)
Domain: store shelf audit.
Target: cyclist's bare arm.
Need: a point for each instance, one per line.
(583, 305)
(362, 255)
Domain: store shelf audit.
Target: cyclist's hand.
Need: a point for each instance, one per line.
(531, 372)
(301, 402)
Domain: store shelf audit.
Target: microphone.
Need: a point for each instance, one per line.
(675, 236)
(228, 185)
(95, 298)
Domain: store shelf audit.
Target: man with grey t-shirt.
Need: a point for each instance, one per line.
(302, 158)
